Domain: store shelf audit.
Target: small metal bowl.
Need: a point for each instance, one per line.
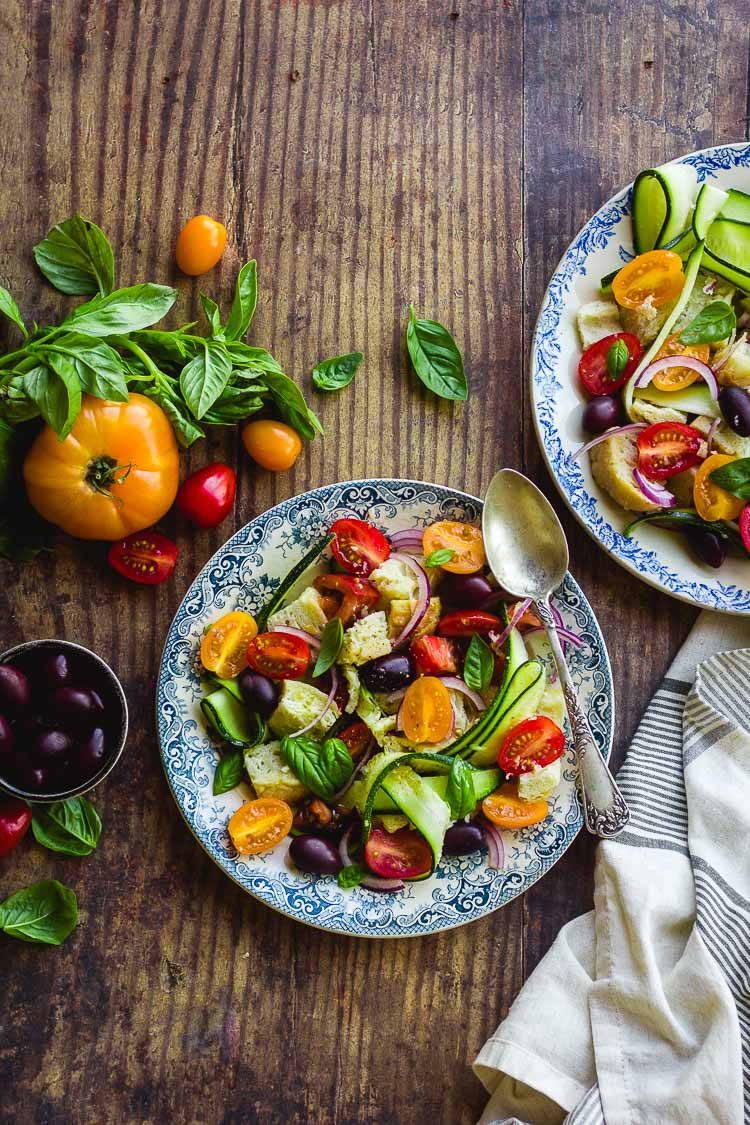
(118, 729)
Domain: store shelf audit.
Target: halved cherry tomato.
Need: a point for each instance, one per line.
(206, 496)
(592, 366)
(711, 501)
(274, 445)
(463, 539)
(398, 855)
(677, 378)
(434, 656)
(224, 645)
(464, 622)
(260, 825)
(144, 556)
(358, 547)
(279, 655)
(657, 274)
(200, 244)
(529, 619)
(745, 526)
(506, 809)
(534, 742)
(668, 448)
(357, 738)
(427, 711)
(352, 595)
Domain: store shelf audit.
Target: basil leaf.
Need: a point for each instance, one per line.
(291, 405)
(243, 305)
(436, 358)
(72, 827)
(440, 557)
(714, 322)
(324, 769)
(124, 310)
(734, 477)
(185, 427)
(76, 258)
(330, 646)
(211, 309)
(337, 762)
(15, 404)
(205, 377)
(243, 355)
(229, 772)
(227, 412)
(459, 793)
(97, 366)
(10, 309)
(479, 664)
(337, 373)
(44, 913)
(680, 519)
(617, 359)
(57, 394)
(352, 875)
(172, 348)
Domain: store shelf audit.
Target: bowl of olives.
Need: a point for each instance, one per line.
(63, 720)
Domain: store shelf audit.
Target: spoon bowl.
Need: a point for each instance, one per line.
(523, 538)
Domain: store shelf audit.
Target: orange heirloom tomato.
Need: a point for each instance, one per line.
(711, 501)
(116, 472)
(274, 445)
(506, 809)
(200, 244)
(224, 645)
(656, 274)
(463, 539)
(677, 378)
(427, 711)
(260, 825)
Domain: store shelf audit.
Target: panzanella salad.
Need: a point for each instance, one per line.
(387, 707)
(666, 363)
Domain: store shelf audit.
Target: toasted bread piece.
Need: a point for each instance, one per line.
(725, 440)
(612, 464)
(642, 411)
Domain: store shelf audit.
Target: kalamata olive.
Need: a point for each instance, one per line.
(601, 413)
(464, 591)
(316, 855)
(708, 546)
(7, 738)
(50, 669)
(388, 673)
(735, 406)
(15, 691)
(75, 709)
(92, 752)
(463, 839)
(32, 778)
(260, 693)
(51, 747)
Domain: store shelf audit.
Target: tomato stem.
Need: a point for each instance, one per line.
(103, 472)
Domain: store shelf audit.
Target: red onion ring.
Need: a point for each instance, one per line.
(372, 882)
(409, 540)
(613, 432)
(494, 842)
(730, 352)
(499, 639)
(327, 705)
(423, 598)
(564, 634)
(711, 434)
(654, 491)
(668, 361)
(362, 761)
(457, 684)
(311, 640)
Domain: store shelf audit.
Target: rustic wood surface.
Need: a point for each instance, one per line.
(368, 153)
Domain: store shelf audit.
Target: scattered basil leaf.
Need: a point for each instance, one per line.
(436, 358)
(324, 769)
(9, 308)
(459, 793)
(57, 393)
(439, 557)
(76, 258)
(330, 646)
(352, 875)
(734, 477)
(124, 310)
(205, 377)
(715, 322)
(243, 305)
(211, 309)
(617, 359)
(44, 913)
(337, 373)
(290, 403)
(229, 772)
(72, 827)
(479, 664)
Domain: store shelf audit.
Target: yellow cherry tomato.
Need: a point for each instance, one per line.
(200, 244)
(427, 711)
(463, 539)
(224, 645)
(274, 445)
(712, 502)
(506, 809)
(260, 825)
(656, 274)
(677, 378)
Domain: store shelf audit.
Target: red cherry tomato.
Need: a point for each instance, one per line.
(280, 656)
(358, 547)
(206, 497)
(534, 742)
(357, 738)
(349, 595)
(592, 366)
(15, 818)
(668, 448)
(398, 855)
(434, 656)
(745, 526)
(464, 622)
(144, 556)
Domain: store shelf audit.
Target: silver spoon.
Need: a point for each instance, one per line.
(528, 554)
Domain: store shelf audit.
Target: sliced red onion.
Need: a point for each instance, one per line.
(740, 340)
(557, 616)
(346, 859)
(494, 842)
(372, 882)
(631, 427)
(654, 490)
(362, 762)
(709, 287)
(311, 640)
(668, 361)
(711, 434)
(563, 633)
(499, 639)
(457, 684)
(409, 540)
(328, 703)
(423, 598)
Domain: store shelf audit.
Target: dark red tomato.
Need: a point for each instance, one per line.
(464, 622)
(357, 738)
(280, 656)
(534, 742)
(359, 547)
(206, 497)
(592, 366)
(434, 656)
(15, 818)
(352, 594)
(668, 448)
(145, 556)
(398, 855)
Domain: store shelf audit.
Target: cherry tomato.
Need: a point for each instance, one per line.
(506, 809)
(15, 818)
(351, 595)
(656, 274)
(711, 501)
(592, 366)
(434, 656)
(427, 711)
(745, 526)
(274, 445)
(668, 448)
(200, 244)
(529, 619)
(357, 738)
(463, 539)
(677, 378)
(280, 656)
(534, 742)
(464, 622)
(206, 497)
(398, 855)
(260, 825)
(224, 645)
(358, 547)
(144, 556)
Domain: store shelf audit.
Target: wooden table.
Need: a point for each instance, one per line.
(369, 153)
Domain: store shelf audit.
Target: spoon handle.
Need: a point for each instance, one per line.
(604, 808)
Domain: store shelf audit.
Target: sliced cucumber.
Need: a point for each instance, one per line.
(741, 280)
(418, 801)
(485, 782)
(728, 242)
(230, 720)
(515, 650)
(663, 201)
(290, 581)
(232, 686)
(737, 206)
(707, 206)
(695, 399)
(522, 701)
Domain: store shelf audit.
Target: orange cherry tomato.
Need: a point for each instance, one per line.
(274, 445)
(506, 809)
(463, 539)
(711, 501)
(200, 244)
(656, 274)
(260, 825)
(427, 712)
(677, 378)
(224, 646)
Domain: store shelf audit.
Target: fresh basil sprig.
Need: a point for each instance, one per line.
(44, 913)
(479, 664)
(617, 359)
(243, 305)
(734, 477)
(76, 257)
(330, 646)
(323, 767)
(72, 827)
(459, 793)
(352, 875)
(337, 373)
(229, 772)
(713, 323)
(439, 557)
(436, 358)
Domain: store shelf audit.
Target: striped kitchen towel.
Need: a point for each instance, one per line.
(640, 1012)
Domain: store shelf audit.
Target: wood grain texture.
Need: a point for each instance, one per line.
(368, 154)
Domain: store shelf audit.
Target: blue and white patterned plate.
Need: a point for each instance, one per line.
(244, 574)
(658, 557)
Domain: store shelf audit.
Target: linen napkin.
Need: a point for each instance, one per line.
(640, 1012)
